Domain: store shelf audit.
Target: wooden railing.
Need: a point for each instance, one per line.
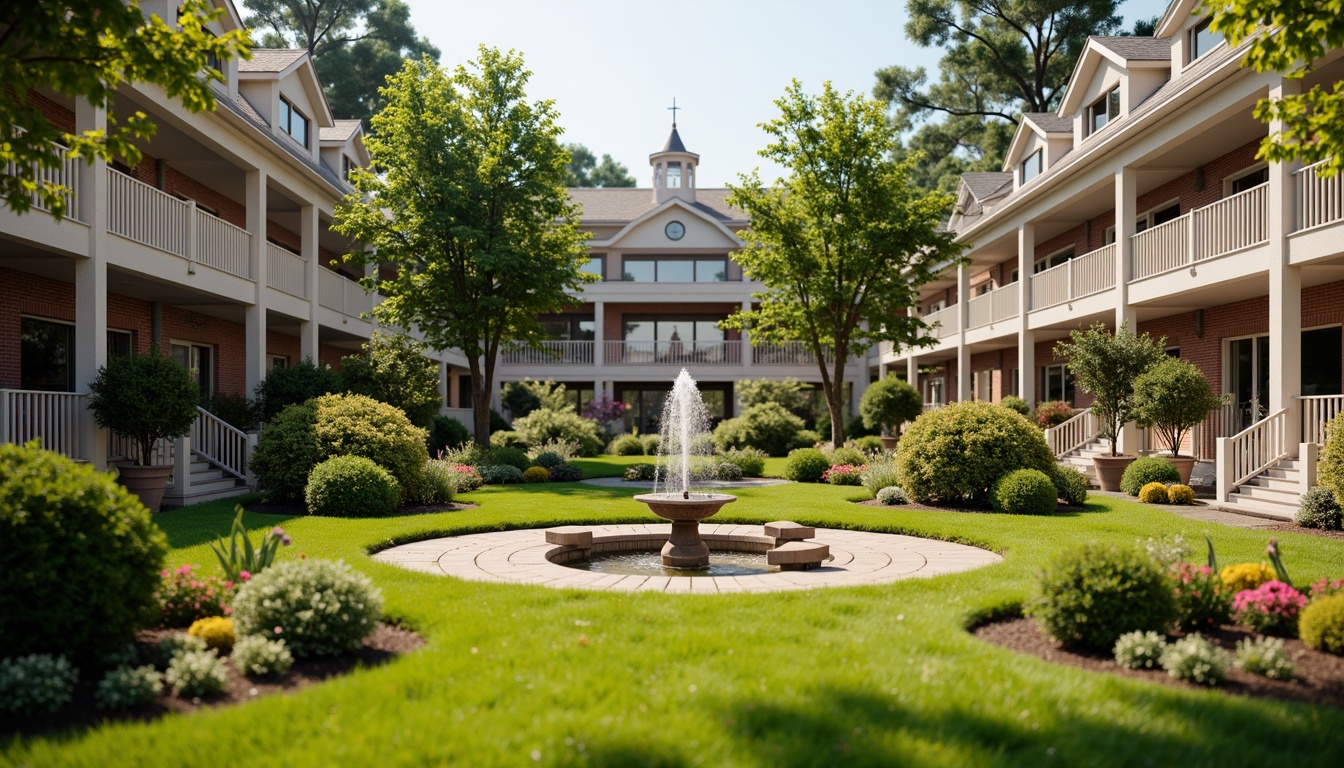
(222, 245)
(64, 175)
(338, 292)
(286, 271)
(1251, 451)
(1073, 434)
(672, 352)
(220, 442)
(787, 353)
(52, 417)
(1319, 201)
(1317, 413)
(124, 449)
(148, 216)
(1162, 248)
(551, 353)
(1233, 223)
(942, 323)
(996, 306)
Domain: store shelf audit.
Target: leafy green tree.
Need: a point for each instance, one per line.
(842, 244)
(889, 403)
(297, 383)
(524, 397)
(1106, 364)
(85, 49)
(787, 392)
(355, 44)
(1288, 36)
(1173, 397)
(394, 369)
(584, 170)
(469, 203)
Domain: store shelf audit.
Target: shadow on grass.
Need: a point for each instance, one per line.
(201, 523)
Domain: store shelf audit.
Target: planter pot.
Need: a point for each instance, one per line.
(888, 442)
(1183, 464)
(146, 482)
(1110, 469)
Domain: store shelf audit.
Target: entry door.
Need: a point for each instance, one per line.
(196, 358)
(1249, 377)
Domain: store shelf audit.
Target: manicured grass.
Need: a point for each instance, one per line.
(865, 676)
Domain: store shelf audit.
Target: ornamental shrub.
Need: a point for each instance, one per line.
(546, 424)
(880, 473)
(868, 443)
(1015, 404)
(1153, 493)
(36, 682)
(1195, 660)
(126, 687)
(446, 433)
(805, 439)
(507, 438)
(1201, 600)
(640, 473)
(1319, 509)
(1243, 576)
(196, 673)
(1052, 413)
(1070, 484)
(955, 454)
(548, 459)
(1180, 494)
(768, 426)
(566, 473)
(1330, 465)
(509, 456)
(1270, 608)
(303, 436)
(1322, 624)
(845, 454)
(467, 478)
(750, 460)
(1024, 492)
(79, 558)
(500, 474)
(844, 474)
(650, 443)
(184, 596)
(1092, 594)
(1264, 656)
(392, 368)
(437, 484)
(318, 607)
(351, 486)
(806, 465)
(626, 445)
(261, 656)
(891, 496)
(889, 403)
(723, 471)
(1145, 470)
(1140, 650)
(216, 631)
(536, 475)
(292, 385)
(144, 399)
(178, 643)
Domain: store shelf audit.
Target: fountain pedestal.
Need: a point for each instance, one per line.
(685, 548)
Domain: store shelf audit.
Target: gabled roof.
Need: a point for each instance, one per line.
(271, 60)
(341, 130)
(1048, 122)
(985, 185)
(619, 205)
(1125, 52)
(1177, 12)
(1133, 48)
(272, 64)
(1042, 124)
(715, 217)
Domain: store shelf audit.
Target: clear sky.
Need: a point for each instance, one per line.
(613, 66)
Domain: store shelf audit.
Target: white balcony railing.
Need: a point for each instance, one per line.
(1093, 272)
(52, 417)
(1317, 413)
(1233, 223)
(672, 352)
(1251, 451)
(996, 306)
(66, 174)
(1162, 248)
(286, 271)
(787, 353)
(222, 245)
(942, 323)
(1319, 201)
(552, 353)
(338, 292)
(148, 216)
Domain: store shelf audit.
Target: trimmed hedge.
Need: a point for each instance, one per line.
(767, 426)
(351, 486)
(1024, 492)
(1145, 470)
(806, 465)
(1092, 594)
(954, 455)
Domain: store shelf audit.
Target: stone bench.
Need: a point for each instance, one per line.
(570, 536)
(798, 555)
(784, 531)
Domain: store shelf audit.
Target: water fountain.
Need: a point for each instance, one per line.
(684, 449)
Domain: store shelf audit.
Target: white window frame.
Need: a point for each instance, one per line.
(207, 384)
(1193, 34)
(1243, 173)
(937, 306)
(285, 121)
(1089, 114)
(1039, 157)
(276, 361)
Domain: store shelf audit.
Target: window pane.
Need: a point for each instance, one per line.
(708, 330)
(1113, 105)
(118, 344)
(284, 115)
(676, 271)
(711, 271)
(300, 131)
(639, 331)
(1203, 39)
(594, 266)
(586, 330)
(46, 355)
(640, 271)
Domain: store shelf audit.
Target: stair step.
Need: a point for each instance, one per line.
(1276, 495)
(202, 497)
(208, 475)
(1278, 472)
(1274, 483)
(1260, 508)
(225, 484)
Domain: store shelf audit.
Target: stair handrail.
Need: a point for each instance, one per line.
(1256, 448)
(1079, 430)
(219, 441)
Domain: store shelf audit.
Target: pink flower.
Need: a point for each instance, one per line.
(244, 576)
(184, 570)
(277, 531)
(279, 631)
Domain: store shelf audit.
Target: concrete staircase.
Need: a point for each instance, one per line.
(207, 483)
(1081, 458)
(1274, 493)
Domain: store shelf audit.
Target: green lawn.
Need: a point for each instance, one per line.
(865, 676)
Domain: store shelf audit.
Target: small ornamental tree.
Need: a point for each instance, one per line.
(1172, 397)
(1106, 364)
(144, 398)
(394, 370)
(890, 403)
(1331, 467)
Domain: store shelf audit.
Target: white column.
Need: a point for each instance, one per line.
(1126, 208)
(963, 317)
(254, 317)
(309, 331)
(1026, 338)
(746, 339)
(1285, 292)
(91, 284)
(599, 318)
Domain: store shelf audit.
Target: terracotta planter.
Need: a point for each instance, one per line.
(148, 483)
(1183, 464)
(888, 442)
(1110, 469)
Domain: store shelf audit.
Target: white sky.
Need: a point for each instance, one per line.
(613, 66)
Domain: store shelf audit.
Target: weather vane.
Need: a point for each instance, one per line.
(674, 109)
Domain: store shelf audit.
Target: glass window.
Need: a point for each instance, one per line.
(711, 271)
(198, 359)
(676, 271)
(595, 266)
(46, 355)
(1056, 383)
(1103, 110)
(118, 344)
(1250, 181)
(1031, 167)
(293, 122)
(1203, 39)
(673, 175)
(640, 271)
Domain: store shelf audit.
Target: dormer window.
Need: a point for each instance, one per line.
(346, 165)
(1103, 111)
(1032, 166)
(1203, 39)
(293, 122)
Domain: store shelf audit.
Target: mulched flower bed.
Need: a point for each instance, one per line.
(1293, 528)
(386, 643)
(1319, 680)
(1062, 508)
(299, 509)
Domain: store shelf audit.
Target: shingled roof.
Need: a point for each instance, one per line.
(271, 59)
(984, 185)
(341, 131)
(1134, 48)
(1049, 122)
(623, 204)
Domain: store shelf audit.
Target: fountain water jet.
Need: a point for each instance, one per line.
(684, 447)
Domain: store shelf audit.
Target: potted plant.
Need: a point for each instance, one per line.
(1172, 397)
(889, 403)
(1106, 364)
(144, 398)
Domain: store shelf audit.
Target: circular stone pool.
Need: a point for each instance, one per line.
(651, 564)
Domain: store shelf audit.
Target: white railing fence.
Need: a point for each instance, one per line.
(220, 442)
(52, 417)
(1232, 223)
(1317, 413)
(64, 174)
(551, 353)
(1319, 201)
(222, 245)
(1251, 451)
(146, 215)
(787, 353)
(672, 352)
(1092, 272)
(942, 323)
(124, 449)
(286, 271)
(1162, 248)
(338, 292)
(1081, 429)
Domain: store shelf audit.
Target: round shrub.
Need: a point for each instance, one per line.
(509, 456)
(806, 465)
(1180, 494)
(446, 433)
(260, 656)
(626, 445)
(750, 460)
(888, 403)
(126, 687)
(37, 682)
(845, 454)
(548, 459)
(1321, 624)
(1024, 492)
(1140, 650)
(725, 471)
(1243, 576)
(1015, 404)
(294, 384)
(566, 473)
(178, 643)
(1052, 413)
(954, 454)
(640, 473)
(1070, 484)
(1264, 656)
(500, 474)
(507, 438)
(1195, 660)
(767, 426)
(545, 424)
(351, 486)
(536, 475)
(650, 443)
(437, 485)
(302, 436)
(1319, 510)
(80, 559)
(1149, 469)
(216, 631)
(1153, 493)
(1092, 594)
(891, 496)
(868, 443)
(196, 673)
(318, 607)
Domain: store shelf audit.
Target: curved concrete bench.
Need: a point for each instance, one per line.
(798, 555)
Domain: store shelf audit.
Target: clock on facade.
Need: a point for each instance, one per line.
(675, 230)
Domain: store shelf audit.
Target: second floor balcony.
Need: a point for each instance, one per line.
(671, 353)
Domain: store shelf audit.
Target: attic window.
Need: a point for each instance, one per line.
(346, 165)
(1203, 39)
(1103, 110)
(293, 122)
(1032, 166)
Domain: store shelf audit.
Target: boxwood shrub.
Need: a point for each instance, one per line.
(806, 465)
(1070, 484)
(351, 486)
(318, 607)
(955, 454)
(750, 460)
(766, 426)
(1092, 594)
(1145, 470)
(626, 445)
(1024, 492)
(1319, 509)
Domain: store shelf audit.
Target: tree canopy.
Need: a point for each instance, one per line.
(469, 204)
(394, 369)
(843, 243)
(355, 44)
(1288, 36)
(84, 50)
(1106, 365)
(584, 170)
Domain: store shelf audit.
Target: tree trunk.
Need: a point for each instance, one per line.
(835, 404)
(480, 404)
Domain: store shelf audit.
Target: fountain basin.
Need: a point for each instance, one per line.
(685, 548)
